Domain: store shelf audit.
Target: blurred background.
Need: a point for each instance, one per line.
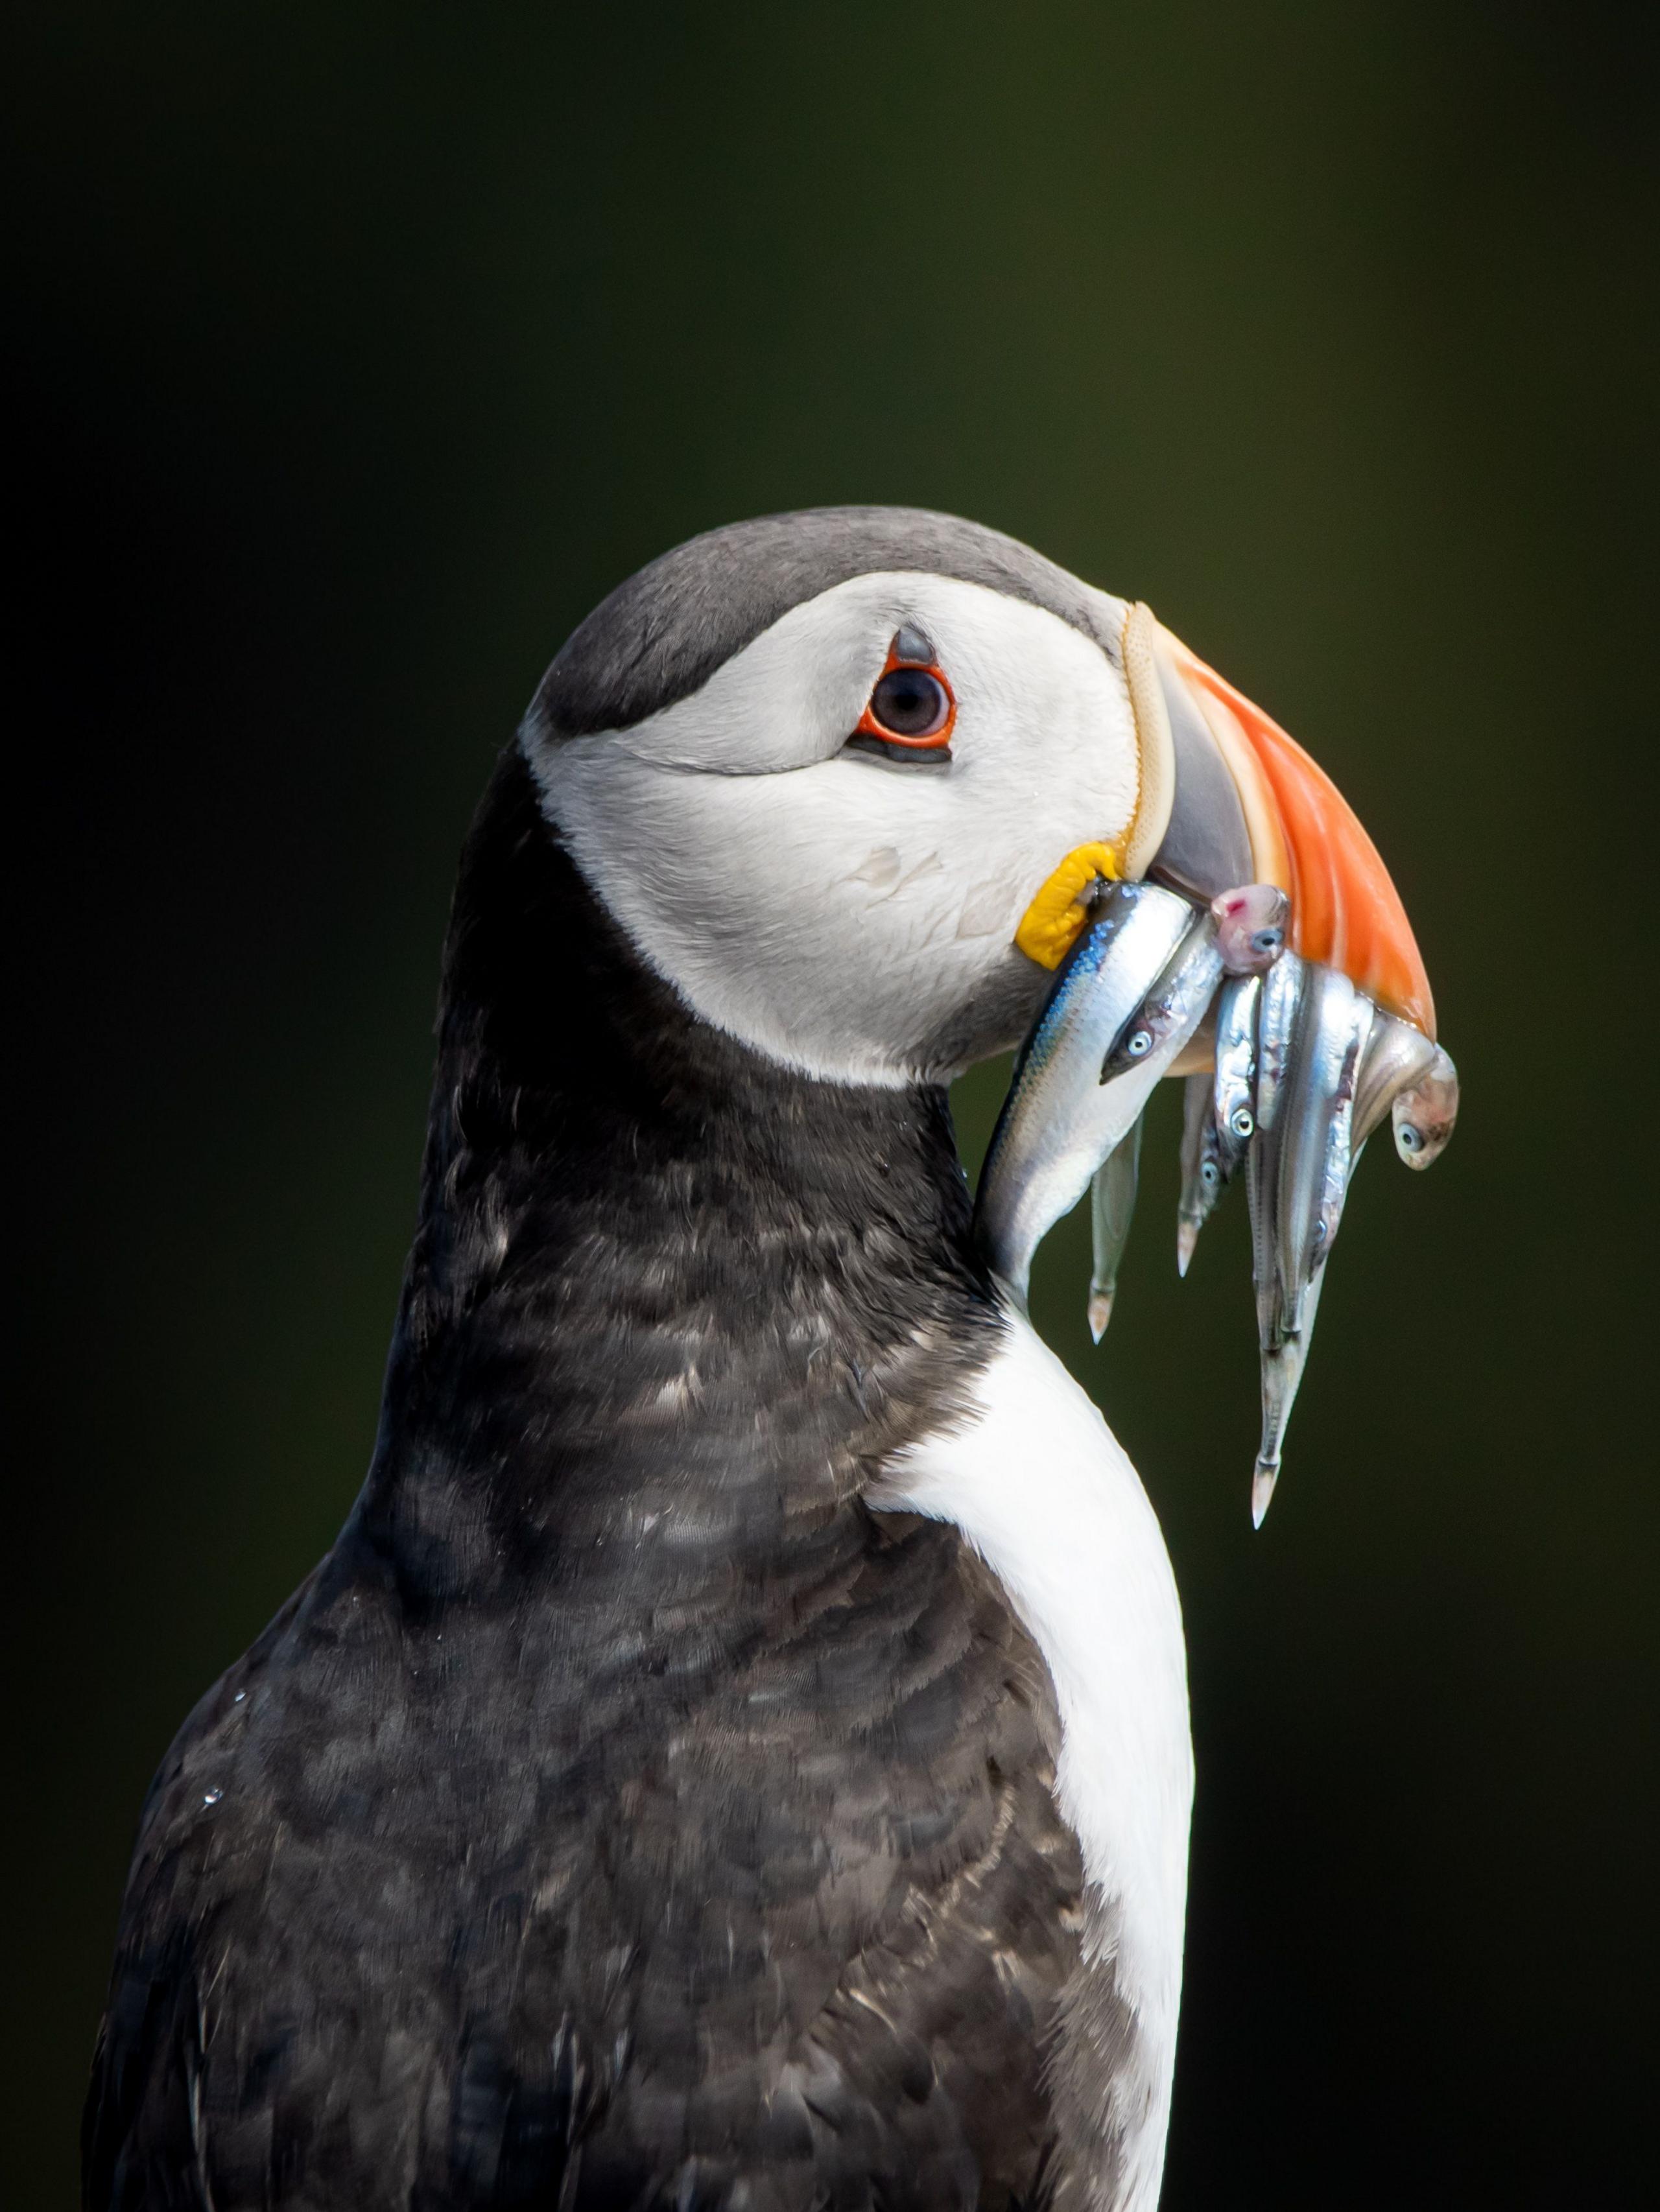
(361, 349)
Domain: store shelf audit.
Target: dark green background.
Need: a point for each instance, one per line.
(363, 349)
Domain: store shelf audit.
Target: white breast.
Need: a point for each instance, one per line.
(1043, 1490)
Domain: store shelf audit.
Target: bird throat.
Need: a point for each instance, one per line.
(635, 1231)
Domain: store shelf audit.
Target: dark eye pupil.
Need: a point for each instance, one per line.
(910, 702)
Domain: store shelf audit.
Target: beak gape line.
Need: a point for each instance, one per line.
(1244, 894)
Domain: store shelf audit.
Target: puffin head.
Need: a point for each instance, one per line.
(844, 778)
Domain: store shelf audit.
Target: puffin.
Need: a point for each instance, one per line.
(736, 1753)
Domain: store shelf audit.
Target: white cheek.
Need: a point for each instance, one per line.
(880, 869)
(984, 911)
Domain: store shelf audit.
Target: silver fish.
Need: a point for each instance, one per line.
(1178, 1000)
(1426, 1115)
(1202, 1177)
(1287, 1077)
(1262, 1190)
(1233, 1098)
(1397, 1054)
(1299, 1168)
(1276, 1019)
(1278, 999)
(1282, 1370)
(1250, 926)
(1220, 1117)
(1112, 1203)
(1200, 1050)
(1313, 1133)
(1060, 1120)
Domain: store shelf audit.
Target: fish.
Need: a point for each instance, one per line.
(1313, 1133)
(1276, 1018)
(1424, 1115)
(1289, 1068)
(1282, 1372)
(1246, 934)
(1112, 1202)
(1179, 998)
(1216, 1131)
(1060, 1120)
(1251, 922)
(1397, 1054)
(1233, 1092)
(1278, 999)
(1202, 1175)
(1299, 1171)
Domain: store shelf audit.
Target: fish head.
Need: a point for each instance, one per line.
(1251, 925)
(1426, 1115)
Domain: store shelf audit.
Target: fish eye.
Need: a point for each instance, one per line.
(910, 702)
(1140, 1045)
(1267, 940)
(1242, 1121)
(1407, 1138)
(1210, 1173)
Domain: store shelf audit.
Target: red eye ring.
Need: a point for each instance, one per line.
(936, 738)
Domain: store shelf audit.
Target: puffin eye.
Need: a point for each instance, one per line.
(910, 702)
(911, 713)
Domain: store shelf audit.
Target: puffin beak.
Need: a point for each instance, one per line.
(1228, 798)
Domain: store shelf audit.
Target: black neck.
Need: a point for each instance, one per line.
(653, 1272)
